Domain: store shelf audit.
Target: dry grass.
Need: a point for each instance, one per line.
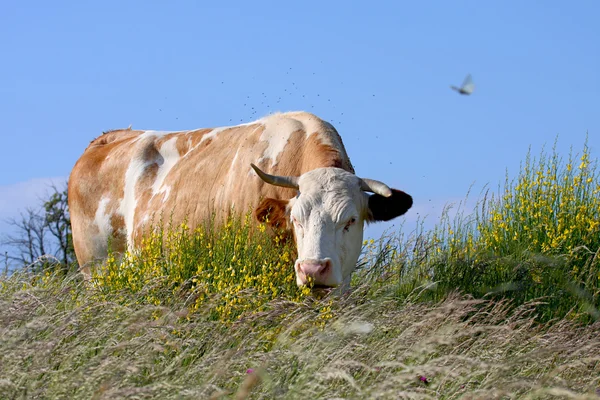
(58, 341)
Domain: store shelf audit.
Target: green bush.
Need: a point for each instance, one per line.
(540, 238)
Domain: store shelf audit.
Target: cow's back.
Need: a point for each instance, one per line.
(128, 180)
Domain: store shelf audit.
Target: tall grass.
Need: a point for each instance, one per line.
(59, 340)
(539, 237)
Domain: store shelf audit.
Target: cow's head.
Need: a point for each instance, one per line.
(328, 217)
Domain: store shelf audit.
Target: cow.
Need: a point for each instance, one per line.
(290, 168)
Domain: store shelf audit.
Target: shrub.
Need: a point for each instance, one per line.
(540, 238)
(244, 267)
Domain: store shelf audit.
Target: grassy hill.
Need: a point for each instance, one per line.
(502, 303)
(58, 340)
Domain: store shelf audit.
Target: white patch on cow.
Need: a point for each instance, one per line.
(237, 153)
(277, 132)
(259, 121)
(166, 191)
(151, 133)
(102, 219)
(129, 202)
(312, 124)
(170, 155)
(232, 176)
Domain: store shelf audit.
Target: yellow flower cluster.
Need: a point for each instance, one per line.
(230, 269)
(550, 209)
(325, 314)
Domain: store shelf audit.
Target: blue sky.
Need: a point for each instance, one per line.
(379, 71)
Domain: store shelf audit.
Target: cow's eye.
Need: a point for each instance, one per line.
(349, 224)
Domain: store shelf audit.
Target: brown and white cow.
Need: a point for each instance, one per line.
(127, 178)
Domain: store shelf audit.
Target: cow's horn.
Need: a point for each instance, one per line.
(371, 185)
(285, 181)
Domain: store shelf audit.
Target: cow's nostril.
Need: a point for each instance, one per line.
(326, 267)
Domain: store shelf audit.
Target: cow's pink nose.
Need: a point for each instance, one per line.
(318, 270)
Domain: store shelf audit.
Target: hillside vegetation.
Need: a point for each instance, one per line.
(501, 303)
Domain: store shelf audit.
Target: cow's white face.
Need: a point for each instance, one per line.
(328, 217)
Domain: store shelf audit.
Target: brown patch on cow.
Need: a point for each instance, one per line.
(183, 144)
(306, 154)
(204, 144)
(324, 155)
(117, 223)
(272, 212)
(88, 173)
(150, 150)
(197, 135)
(143, 188)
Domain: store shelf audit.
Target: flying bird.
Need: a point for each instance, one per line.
(467, 87)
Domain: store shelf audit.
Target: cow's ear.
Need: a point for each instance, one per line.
(386, 208)
(273, 212)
